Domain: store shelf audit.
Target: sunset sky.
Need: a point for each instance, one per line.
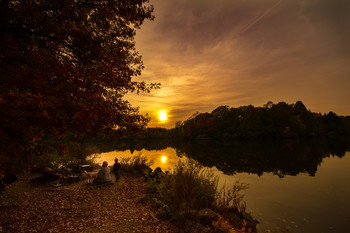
(208, 53)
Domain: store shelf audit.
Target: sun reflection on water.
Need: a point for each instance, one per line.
(165, 159)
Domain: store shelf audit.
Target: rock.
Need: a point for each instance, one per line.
(194, 226)
(164, 212)
(155, 202)
(106, 183)
(158, 173)
(233, 218)
(2, 185)
(207, 216)
(146, 170)
(251, 222)
(10, 178)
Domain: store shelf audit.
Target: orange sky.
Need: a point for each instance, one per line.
(208, 53)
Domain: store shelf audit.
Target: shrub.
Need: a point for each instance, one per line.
(230, 200)
(190, 197)
(137, 164)
(189, 188)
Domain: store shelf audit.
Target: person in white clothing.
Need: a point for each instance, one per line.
(103, 176)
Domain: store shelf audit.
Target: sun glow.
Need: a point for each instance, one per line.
(164, 158)
(162, 115)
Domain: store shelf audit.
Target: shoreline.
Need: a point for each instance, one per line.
(78, 207)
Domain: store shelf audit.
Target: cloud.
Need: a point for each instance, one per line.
(208, 53)
(331, 19)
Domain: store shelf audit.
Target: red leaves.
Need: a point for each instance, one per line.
(65, 67)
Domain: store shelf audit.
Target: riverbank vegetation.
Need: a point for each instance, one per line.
(189, 197)
(272, 121)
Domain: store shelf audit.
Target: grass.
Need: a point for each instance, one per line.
(189, 196)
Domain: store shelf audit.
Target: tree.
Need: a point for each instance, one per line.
(65, 67)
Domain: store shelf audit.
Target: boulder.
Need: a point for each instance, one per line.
(251, 222)
(10, 178)
(207, 216)
(2, 185)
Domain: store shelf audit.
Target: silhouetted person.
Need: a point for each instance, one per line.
(115, 169)
(103, 176)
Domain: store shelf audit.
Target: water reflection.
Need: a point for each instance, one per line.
(283, 158)
(312, 197)
(166, 158)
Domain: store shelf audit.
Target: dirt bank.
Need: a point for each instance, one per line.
(78, 208)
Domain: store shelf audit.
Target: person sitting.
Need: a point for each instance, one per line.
(103, 176)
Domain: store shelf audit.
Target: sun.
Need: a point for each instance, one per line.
(164, 159)
(162, 115)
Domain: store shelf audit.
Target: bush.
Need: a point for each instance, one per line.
(137, 164)
(189, 188)
(230, 200)
(190, 197)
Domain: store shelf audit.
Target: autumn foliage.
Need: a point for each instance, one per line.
(272, 121)
(65, 67)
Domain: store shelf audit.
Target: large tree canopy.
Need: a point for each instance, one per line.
(65, 67)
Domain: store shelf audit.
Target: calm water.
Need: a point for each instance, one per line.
(300, 186)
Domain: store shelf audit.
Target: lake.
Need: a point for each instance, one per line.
(299, 186)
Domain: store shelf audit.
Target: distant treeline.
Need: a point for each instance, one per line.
(272, 121)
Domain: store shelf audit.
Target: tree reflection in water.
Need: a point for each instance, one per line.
(287, 157)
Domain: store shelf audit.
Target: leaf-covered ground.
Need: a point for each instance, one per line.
(78, 207)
